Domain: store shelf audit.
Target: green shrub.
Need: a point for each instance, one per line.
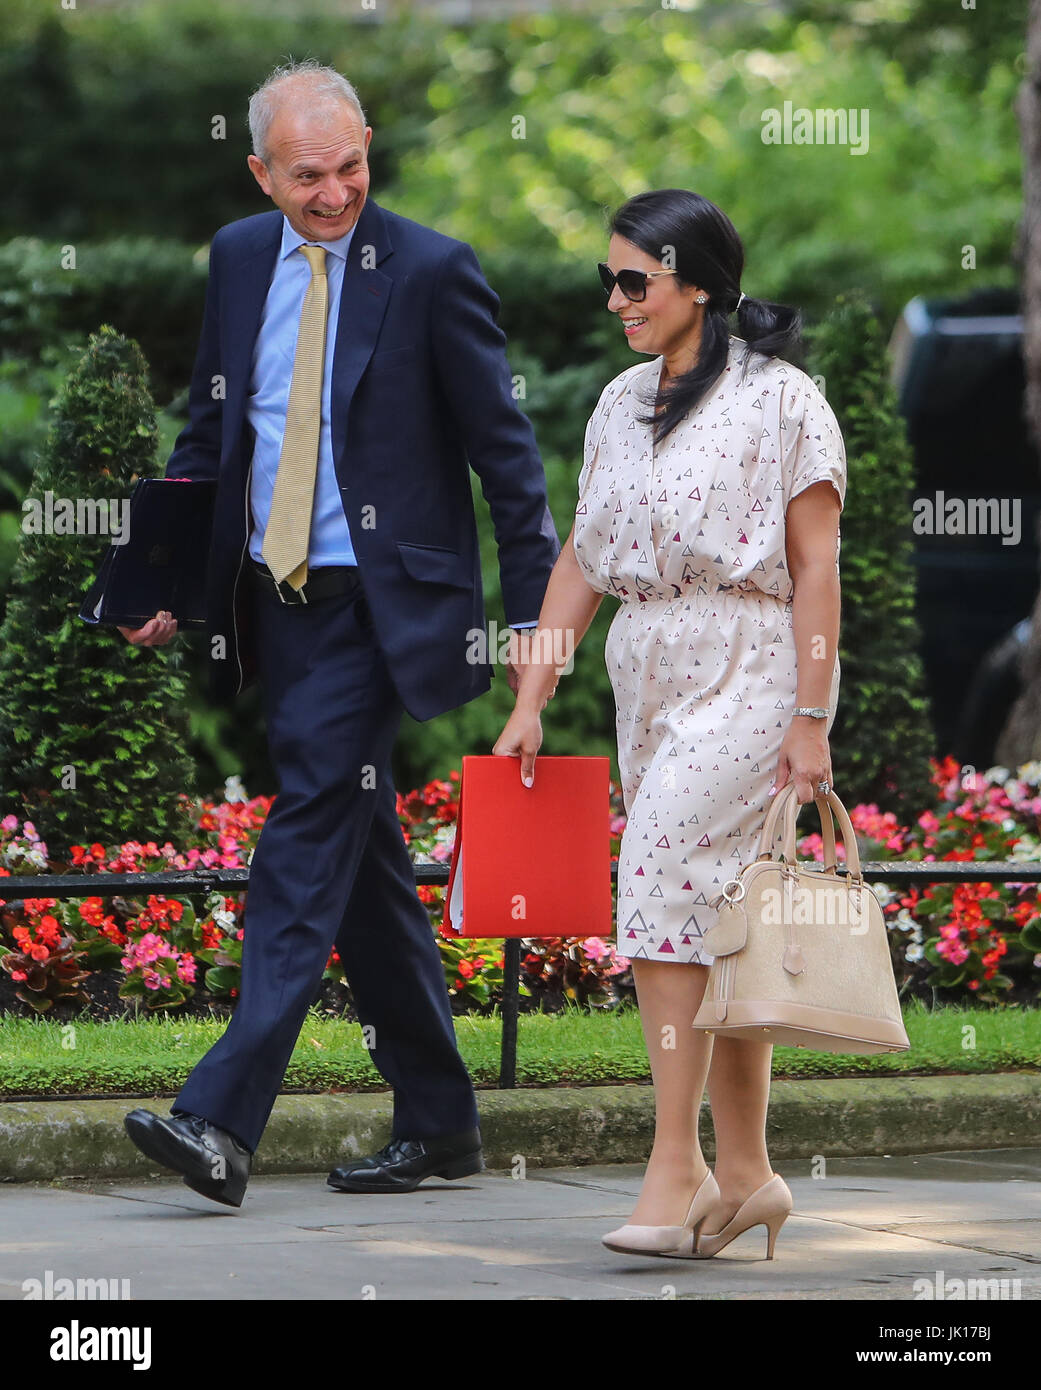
(881, 739)
(90, 728)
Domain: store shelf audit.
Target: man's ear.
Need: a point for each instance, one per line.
(259, 171)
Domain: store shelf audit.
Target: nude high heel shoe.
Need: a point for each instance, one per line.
(678, 1241)
(767, 1206)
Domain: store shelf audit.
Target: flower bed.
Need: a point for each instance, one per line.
(976, 940)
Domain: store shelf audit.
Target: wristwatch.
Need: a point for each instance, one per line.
(813, 713)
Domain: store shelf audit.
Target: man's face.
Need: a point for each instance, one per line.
(317, 170)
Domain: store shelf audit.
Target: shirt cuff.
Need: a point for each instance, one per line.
(517, 627)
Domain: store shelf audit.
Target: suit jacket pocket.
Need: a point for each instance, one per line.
(436, 564)
(395, 357)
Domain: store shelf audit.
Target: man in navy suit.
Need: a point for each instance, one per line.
(415, 391)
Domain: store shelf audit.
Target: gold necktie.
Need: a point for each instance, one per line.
(288, 529)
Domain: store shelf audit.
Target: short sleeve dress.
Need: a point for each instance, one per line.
(690, 537)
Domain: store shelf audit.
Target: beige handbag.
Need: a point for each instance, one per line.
(801, 955)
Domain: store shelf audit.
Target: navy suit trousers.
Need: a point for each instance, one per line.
(331, 867)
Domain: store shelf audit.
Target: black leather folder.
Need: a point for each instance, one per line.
(162, 564)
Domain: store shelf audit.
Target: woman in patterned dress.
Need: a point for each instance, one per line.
(709, 501)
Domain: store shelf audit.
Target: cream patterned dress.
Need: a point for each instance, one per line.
(701, 653)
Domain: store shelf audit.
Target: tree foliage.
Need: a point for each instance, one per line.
(91, 728)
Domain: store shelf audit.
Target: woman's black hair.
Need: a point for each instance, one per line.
(692, 236)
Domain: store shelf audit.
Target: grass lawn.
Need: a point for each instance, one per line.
(39, 1058)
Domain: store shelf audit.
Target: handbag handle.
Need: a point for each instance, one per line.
(791, 807)
(785, 800)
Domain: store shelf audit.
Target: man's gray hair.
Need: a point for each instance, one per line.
(308, 84)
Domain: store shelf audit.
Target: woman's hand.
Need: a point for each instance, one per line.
(804, 757)
(521, 737)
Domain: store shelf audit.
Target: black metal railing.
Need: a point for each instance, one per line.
(189, 882)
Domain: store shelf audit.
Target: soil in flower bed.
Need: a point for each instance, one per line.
(102, 989)
(334, 999)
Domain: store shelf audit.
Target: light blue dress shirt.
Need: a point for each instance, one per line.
(268, 399)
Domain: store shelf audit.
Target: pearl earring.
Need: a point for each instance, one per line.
(701, 299)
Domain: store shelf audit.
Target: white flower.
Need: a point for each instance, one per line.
(903, 921)
(37, 859)
(234, 790)
(913, 953)
(1030, 773)
(1027, 848)
(14, 852)
(224, 919)
(884, 893)
(997, 774)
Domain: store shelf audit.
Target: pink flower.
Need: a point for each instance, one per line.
(953, 951)
(9, 823)
(596, 948)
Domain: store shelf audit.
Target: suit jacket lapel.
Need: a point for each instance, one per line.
(250, 281)
(364, 297)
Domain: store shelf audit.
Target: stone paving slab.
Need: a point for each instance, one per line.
(866, 1231)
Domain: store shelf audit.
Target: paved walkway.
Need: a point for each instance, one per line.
(868, 1231)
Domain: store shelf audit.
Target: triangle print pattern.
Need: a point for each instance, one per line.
(689, 536)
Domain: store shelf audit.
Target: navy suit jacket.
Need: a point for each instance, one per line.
(421, 393)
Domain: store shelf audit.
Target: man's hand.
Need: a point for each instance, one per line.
(155, 633)
(519, 655)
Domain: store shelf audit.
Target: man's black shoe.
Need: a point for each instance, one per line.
(211, 1161)
(403, 1164)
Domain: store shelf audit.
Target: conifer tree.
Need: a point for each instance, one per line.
(882, 736)
(91, 728)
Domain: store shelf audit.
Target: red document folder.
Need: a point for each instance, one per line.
(532, 861)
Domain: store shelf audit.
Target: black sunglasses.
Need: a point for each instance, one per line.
(632, 283)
